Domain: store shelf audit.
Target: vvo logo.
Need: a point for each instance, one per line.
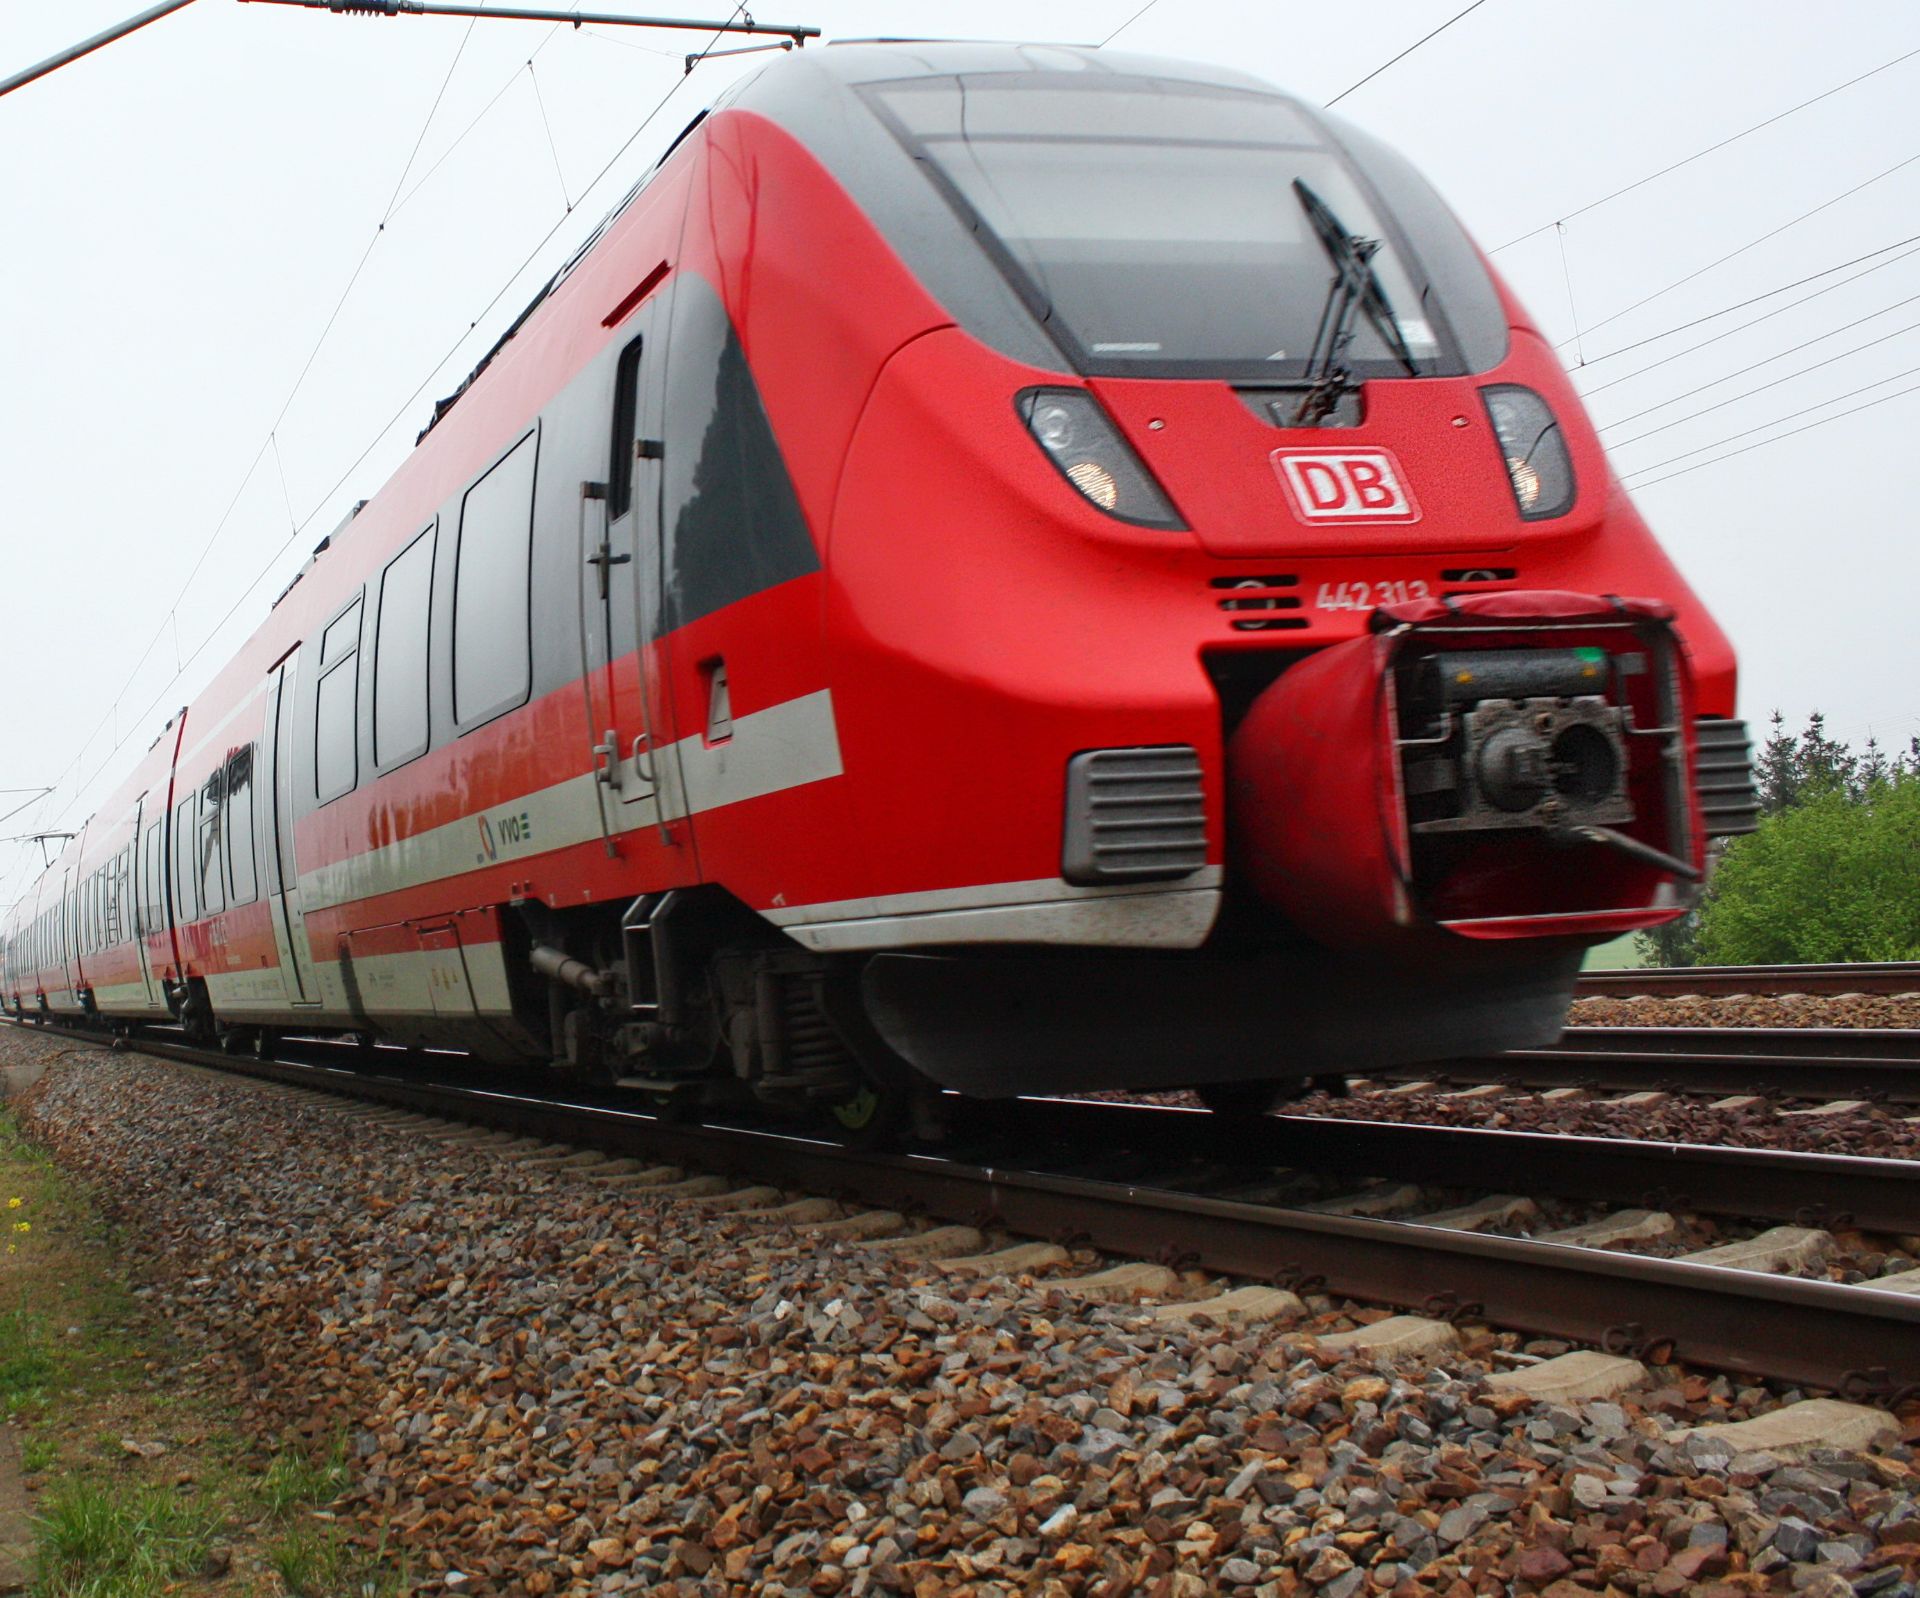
(1354, 485)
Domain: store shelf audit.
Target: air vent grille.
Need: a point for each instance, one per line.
(1724, 773)
(1252, 601)
(1134, 815)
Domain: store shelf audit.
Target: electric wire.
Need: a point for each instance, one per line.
(1777, 355)
(1741, 305)
(1702, 465)
(269, 442)
(553, 149)
(1127, 24)
(1742, 250)
(1761, 388)
(1775, 421)
(1640, 371)
(216, 630)
(1778, 116)
(1477, 4)
(479, 116)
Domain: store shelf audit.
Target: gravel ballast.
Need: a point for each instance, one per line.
(552, 1386)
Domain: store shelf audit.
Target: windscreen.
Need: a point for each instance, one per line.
(1160, 227)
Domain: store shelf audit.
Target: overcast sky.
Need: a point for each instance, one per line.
(182, 211)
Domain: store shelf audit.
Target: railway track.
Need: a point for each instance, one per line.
(1193, 1191)
(1879, 1065)
(1754, 981)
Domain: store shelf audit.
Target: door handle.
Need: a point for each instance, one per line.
(603, 561)
(606, 761)
(643, 749)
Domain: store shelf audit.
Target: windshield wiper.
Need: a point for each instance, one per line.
(1354, 288)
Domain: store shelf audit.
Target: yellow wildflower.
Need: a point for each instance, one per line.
(14, 1204)
(23, 1226)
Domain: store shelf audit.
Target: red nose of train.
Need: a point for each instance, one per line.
(1504, 766)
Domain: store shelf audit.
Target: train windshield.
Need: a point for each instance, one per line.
(1158, 226)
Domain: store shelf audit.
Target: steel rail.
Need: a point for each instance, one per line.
(1857, 1340)
(1767, 1184)
(1814, 1063)
(1758, 981)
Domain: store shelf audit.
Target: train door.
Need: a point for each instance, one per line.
(273, 799)
(621, 578)
(145, 908)
(67, 933)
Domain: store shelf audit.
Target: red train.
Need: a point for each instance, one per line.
(1000, 566)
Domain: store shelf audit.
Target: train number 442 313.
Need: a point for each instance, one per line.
(1367, 596)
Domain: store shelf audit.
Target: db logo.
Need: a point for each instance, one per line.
(1355, 485)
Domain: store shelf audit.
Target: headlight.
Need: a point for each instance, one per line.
(1070, 426)
(1538, 465)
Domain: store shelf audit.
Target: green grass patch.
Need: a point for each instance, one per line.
(27, 1362)
(295, 1481)
(96, 1541)
(84, 1365)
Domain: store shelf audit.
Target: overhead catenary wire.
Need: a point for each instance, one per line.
(269, 443)
(1778, 438)
(1761, 388)
(320, 505)
(1754, 366)
(1127, 24)
(1721, 144)
(1781, 310)
(1754, 243)
(1775, 421)
(1425, 38)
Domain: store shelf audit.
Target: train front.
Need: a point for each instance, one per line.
(1242, 462)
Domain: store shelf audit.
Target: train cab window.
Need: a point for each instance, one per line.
(211, 845)
(492, 618)
(626, 406)
(1166, 228)
(400, 655)
(336, 753)
(241, 876)
(185, 878)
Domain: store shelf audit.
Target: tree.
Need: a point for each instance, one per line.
(1776, 773)
(1834, 877)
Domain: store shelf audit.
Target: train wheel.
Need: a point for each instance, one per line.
(1241, 1098)
(866, 1118)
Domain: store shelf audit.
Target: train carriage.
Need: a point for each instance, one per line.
(1005, 567)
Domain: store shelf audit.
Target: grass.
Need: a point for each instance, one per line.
(27, 1363)
(102, 1542)
(294, 1481)
(82, 1366)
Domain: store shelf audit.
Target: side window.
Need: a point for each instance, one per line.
(186, 895)
(213, 893)
(626, 400)
(152, 910)
(240, 868)
(400, 655)
(336, 754)
(492, 669)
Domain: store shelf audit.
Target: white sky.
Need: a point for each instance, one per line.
(183, 209)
